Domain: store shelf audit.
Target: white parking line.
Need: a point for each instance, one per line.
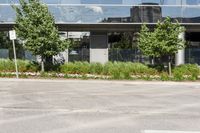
(168, 131)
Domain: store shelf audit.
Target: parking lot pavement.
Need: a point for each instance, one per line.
(77, 106)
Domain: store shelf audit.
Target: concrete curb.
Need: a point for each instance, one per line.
(99, 81)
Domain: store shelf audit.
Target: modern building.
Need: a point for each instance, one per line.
(101, 17)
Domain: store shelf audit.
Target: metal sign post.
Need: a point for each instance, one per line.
(12, 35)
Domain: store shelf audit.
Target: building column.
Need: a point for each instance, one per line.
(180, 56)
(98, 47)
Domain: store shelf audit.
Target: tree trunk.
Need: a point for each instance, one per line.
(152, 59)
(42, 64)
(48, 63)
(49, 60)
(170, 66)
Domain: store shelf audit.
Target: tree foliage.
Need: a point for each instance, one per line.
(163, 40)
(36, 26)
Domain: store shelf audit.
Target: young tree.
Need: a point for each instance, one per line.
(162, 41)
(36, 26)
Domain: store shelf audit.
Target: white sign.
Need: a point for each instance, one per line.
(12, 35)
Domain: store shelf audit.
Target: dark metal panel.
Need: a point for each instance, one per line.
(103, 27)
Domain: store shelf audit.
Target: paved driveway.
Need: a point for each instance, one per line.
(73, 106)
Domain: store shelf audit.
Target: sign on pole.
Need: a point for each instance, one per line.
(12, 35)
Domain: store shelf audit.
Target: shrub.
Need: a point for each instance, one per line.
(165, 76)
(75, 68)
(117, 70)
(82, 67)
(139, 68)
(7, 65)
(8, 75)
(33, 66)
(27, 66)
(68, 68)
(186, 72)
(96, 68)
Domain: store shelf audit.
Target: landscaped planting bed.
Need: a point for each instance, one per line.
(110, 70)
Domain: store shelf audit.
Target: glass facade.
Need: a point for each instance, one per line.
(124, 2)
(116, 11)
(113, 11)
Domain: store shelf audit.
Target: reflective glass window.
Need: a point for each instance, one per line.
(191, 15)
(4, 1)
(151, 1)
(125, 2)
(111, 1)
(171, 2)
(90, 2)
(70, 1)
(129, 12)
(6, 14)
(160, 2)
(131, 2)
(114, 14)
(90, 14)
(174, 12)
(101, 1)
(8, 1)
(50, 1)
(191, 2)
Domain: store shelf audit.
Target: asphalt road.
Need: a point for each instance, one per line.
(73, 106)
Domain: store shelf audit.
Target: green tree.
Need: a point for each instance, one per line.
(36, 26)
(162, 41)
